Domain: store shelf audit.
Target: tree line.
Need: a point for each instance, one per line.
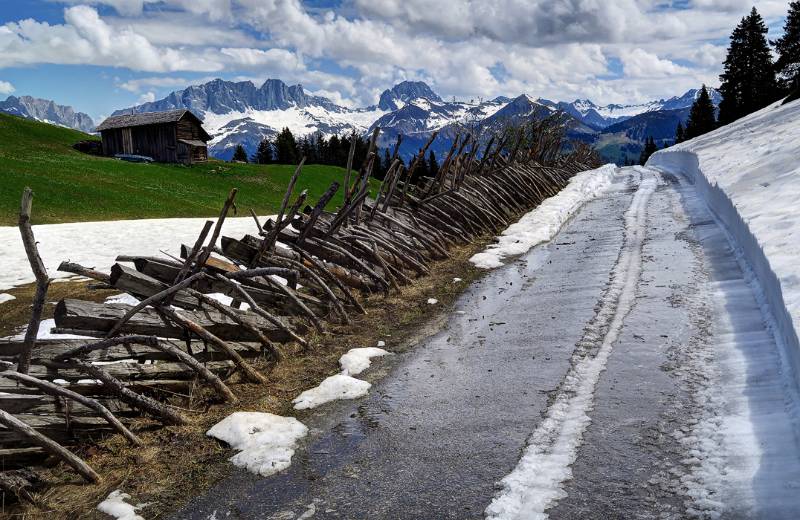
(751, 79)
(334, 151)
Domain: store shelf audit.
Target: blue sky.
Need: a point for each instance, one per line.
(101, 55)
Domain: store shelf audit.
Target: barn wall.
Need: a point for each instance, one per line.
(157, 141)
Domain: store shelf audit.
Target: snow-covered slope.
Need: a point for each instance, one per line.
(749, 174)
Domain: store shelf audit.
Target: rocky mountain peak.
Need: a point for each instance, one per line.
(402, 93)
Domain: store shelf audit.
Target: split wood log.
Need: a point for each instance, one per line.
(9, 421)
(42, 280)
(152, 300)
(84, 316)
(59, 391)
(249, 372)
(228, 311)
(164, 413)
(245, 295)
(212, 243)
(334, 278)
(142, 286)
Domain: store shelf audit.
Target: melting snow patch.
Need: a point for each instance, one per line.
(381, 343)
(456, 280)
(432, 301)
(5, 297)
(124, 298)
(115, 505)
(44, 332)
(266, 442)
(340, 386)
(541, 224)
(359, 359)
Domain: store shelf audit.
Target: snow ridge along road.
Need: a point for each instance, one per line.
(536, 483)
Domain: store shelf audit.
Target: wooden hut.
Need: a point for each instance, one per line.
(176, 136)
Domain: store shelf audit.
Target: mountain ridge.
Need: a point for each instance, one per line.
(47, 111)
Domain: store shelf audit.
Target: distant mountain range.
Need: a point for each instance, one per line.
(47, 111)
(243, 113)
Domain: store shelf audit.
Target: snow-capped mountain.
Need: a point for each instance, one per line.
(600, 117)
(243, 113)
(47, 111)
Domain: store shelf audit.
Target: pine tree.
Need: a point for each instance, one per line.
(263, 152)
(286, 147)
(701, 117)
(650, 147)
(239, 155)
(679, 134)
(787, 47)
(433, 164)
(748, 82)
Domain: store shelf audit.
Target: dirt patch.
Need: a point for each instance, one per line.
(181, 462)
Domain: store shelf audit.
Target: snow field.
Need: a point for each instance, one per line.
(97, 244)
(542, 223)
(536, 484)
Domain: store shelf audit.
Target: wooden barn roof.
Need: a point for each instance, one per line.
(147, 118)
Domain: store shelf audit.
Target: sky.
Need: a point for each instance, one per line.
(102, 55)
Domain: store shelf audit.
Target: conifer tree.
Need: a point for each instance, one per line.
(263, 152)
(433, 164)
(650, 147)
(679, 134)
(787, 46)
(701, 117)
(748, 81)
(239, 154)
(286, 147)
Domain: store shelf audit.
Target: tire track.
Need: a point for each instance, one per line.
(535, 485)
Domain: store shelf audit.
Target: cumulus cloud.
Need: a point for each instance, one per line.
(6, 88)
(466, 48)
(147, 97)
(639, 63)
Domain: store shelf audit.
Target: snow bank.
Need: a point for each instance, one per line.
(5, 297)
(541, 224)
(115, 505)
(340, 386)
(266, 442)
(359, 359)
(749, 174)
(97, 244)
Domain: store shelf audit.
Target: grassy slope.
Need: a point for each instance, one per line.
(70, 186)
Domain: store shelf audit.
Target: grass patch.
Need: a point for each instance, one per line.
(70, 186)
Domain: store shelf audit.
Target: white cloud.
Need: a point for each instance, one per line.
(468, 48)
(6, 88)
(639, 63)
(147, 97)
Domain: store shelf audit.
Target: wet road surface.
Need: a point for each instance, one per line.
(621, 371)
